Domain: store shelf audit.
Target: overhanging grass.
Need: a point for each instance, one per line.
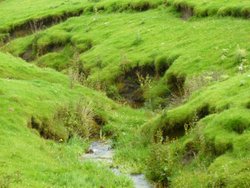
(209, 8)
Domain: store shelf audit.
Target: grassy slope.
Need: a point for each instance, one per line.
(56, 9)
(215, 151)
(42, 8)
(218, 7)
(198, 47)
(36, 9)
(32, 161)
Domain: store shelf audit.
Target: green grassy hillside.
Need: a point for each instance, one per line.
(27, 159)
(167, 81)
(212, 128)
(219, 7)
(154, 43)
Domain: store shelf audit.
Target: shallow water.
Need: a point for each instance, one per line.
(102, 152)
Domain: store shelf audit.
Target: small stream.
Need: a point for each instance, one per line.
(102, 152)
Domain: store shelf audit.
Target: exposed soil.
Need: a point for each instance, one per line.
(34, 25)
(130, 6)
(176, 132)
(44, 129)
(185, 10)
(186, 13)
(48, 128)
(248, 105)
(99, 120)
(129, 85)
(53, 47)
(143, 6)
(28, 55)
(190, 153)
(176, 84)
(178, 128)
(134, 81)
(188, 157)
(203, 111)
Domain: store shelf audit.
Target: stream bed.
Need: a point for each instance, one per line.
(102, 152)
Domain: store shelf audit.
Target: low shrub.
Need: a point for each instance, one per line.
(159, 164)
(69, 120)
(78, 119)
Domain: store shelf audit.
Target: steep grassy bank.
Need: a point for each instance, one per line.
(44, 13)
(203, 8)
